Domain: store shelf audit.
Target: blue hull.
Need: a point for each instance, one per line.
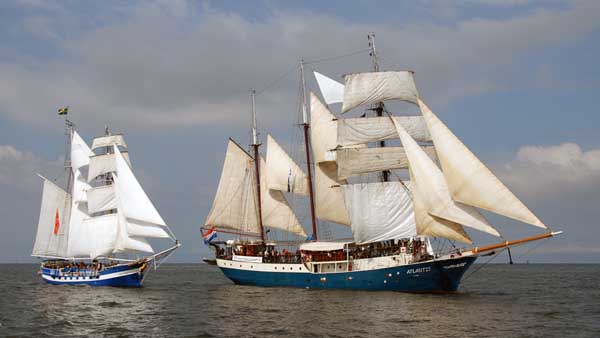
(432, 276)
(127, 275)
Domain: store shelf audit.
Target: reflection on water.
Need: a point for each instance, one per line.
(197, 301)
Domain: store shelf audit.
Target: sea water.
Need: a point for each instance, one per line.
(198, 301)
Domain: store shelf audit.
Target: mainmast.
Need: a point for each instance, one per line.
(379, 107)
(255, 145)
(305, 125)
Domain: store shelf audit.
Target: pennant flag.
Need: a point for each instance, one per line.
(209, 235)
(63, 111)
(56, 223)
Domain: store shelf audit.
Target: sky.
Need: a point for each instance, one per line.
(516, 80)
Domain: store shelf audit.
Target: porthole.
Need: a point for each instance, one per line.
(291, 268)
(300, 268)
(398, 273)
(384, 282)
(251, 266)
(275, 268)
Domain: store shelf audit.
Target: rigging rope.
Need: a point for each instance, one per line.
(332, 58)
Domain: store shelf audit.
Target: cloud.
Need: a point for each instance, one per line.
(547, 172)
(18, 169)
(195, 68)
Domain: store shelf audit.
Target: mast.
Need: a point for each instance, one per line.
(255, 145)
(305, 125)
(379, 107)
(69, 134)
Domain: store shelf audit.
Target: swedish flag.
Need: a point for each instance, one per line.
(63, 111)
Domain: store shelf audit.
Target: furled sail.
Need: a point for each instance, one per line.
(429, 182)
(323, 130)
(53, 226)
(283, 173)
(332, 91)
(365, 88)
(109, 140)
(329, 197)
(380, 211)
(134, 202)
(101, 198)
(469, 180)
(234, 206)
(353, 131)
(357, 161)
(276, 212)
(103, 164)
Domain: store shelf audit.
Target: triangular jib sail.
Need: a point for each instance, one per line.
(469, 180)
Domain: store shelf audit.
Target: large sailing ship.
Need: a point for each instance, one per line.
(428, 189)
(96, 231)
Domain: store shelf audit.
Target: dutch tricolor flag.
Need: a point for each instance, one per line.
(209, 235)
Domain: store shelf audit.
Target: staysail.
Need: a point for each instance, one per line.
(323, 130)
(283, 173)
(380, 211)
(276, 211)
(366, 88)
(469, 180)
(429, 183)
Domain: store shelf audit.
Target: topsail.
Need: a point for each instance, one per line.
(366, 88)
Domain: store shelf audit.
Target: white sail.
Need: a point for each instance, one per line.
(332, 91)
(357, 161)
(276, 212)
(79, 212)
(380, 211)
(80, 152)
(365, 88)
(430, 184)
(93, 236)
(101, 198)
(52, 233)
(329, 197)
(234, 206)
(133, 200)
(125, 242)
(469, 180)
(283, 173)
(103, 164)
(107, 141)
(363, 130)
(323, 130)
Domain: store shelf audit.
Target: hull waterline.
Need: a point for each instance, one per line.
(428, 277)
(124, 275)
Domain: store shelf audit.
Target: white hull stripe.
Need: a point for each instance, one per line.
(75, 279)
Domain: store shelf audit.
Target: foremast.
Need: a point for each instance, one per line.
(255, 144)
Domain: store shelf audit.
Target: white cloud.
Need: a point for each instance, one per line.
(196, 70)
(547, 172)
(18, 169)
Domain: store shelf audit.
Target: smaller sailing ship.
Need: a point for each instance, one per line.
(96, 231)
